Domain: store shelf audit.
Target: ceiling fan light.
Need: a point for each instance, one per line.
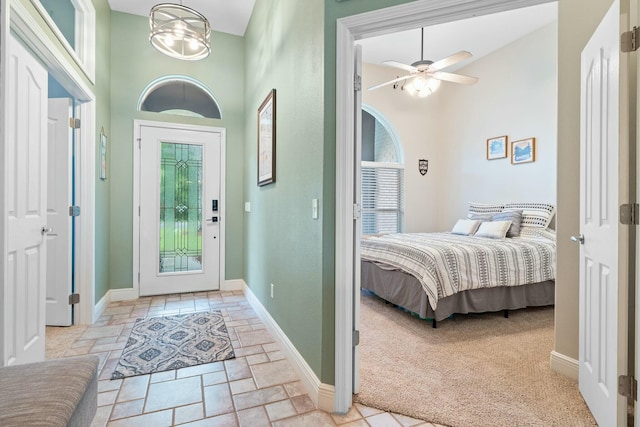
(179, 32)
(422, 86)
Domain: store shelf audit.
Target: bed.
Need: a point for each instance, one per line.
(438, 274)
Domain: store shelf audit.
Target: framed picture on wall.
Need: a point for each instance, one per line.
(497, 147)
(267, 140)
(523, 151)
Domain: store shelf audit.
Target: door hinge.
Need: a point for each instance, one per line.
(629, 40)
(356, 211)
(629, 214)
(74, 123)
(74, 299)
(139, 142)
(357, 83)
(628, 386)
(138, 277)
(355, 338)
(74, 210)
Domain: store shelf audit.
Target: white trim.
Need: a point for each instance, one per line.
(137, 125)
(85, 40)
(383, 21)
(232, 285)
(321, 394)
(112, 295)
(565, 365)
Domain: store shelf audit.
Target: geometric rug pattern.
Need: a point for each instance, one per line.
(159, 344)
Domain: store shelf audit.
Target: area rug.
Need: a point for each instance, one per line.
(473, 370)
(159, 344)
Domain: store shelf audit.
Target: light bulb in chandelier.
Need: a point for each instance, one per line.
(422, 86)
(179, 32)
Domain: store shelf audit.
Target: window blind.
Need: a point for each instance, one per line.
(382, 203)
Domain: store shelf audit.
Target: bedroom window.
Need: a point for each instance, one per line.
(382, 176)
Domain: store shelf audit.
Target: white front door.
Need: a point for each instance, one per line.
(59, 198)
(602, 338)
(26, 204)
(180, 210)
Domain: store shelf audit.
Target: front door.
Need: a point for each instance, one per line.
(26, 207)
(59, 194)
(180, 210)
(602, 351)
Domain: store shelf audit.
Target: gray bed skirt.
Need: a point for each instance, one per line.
(403, 289)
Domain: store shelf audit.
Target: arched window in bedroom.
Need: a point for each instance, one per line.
(180, 95)
(382, 177)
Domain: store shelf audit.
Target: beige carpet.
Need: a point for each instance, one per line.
(478, 370)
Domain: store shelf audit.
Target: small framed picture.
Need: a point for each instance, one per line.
(497, 147)
(267, 140)
(523, 151)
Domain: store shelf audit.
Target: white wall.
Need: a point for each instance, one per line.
(515, 96)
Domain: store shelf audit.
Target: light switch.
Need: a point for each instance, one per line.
(314, 208)
(247, 206)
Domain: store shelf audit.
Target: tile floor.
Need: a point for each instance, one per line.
(257, 388)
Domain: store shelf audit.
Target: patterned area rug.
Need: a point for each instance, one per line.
(159, 344)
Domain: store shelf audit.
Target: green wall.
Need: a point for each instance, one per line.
(103, 121)
(134, 64)
(284, 245)
(64, 15)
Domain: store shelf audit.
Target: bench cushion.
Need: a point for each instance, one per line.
(56, 392)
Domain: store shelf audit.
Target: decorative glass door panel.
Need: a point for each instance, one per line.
(179, 180)
(180, 208)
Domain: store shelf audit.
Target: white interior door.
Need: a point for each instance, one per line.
(59, 198)
(26, 204)
(180, 210)
(602, 346)
(357, 224)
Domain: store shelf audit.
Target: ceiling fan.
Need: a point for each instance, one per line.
(425, 75)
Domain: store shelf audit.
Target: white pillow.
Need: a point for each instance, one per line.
(493, 229)
(466, 227)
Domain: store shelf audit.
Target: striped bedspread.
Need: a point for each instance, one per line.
(446, 263)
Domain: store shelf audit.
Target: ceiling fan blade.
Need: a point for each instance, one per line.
(449, 60)
(389, 82)
(455, 78)
(396, 64)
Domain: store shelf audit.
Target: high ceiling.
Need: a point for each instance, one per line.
(226, 16)
(480, 35)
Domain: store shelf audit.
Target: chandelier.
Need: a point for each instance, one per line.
(179, 32)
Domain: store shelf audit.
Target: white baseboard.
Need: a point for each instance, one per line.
(232, 285)
(112, 295)
(323, 395)
(565, 365)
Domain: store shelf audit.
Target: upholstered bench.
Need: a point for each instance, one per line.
(56, 392)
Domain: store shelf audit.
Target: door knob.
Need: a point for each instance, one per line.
(579, 239)
(46, 230)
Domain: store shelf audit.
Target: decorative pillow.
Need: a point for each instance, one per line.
(538, 233)
(484, 208)
(533, 214)
(516, 219)
(465, 227)
(493, 229)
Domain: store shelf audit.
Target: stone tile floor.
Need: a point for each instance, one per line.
(257, 388)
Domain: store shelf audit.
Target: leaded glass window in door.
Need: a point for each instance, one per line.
(180, 208)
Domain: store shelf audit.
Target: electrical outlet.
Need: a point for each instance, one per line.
(272, 291)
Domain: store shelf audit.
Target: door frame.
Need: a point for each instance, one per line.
(349, 29)
(137, 125)
(15, 17)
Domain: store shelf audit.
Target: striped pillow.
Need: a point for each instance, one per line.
(514, 216)
(484, 208)
(533, 214)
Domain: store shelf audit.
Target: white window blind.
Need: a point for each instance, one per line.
(382, 204)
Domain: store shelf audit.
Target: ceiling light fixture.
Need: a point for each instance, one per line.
(179, 32)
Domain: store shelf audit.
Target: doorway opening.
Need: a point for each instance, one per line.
(351, 29)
